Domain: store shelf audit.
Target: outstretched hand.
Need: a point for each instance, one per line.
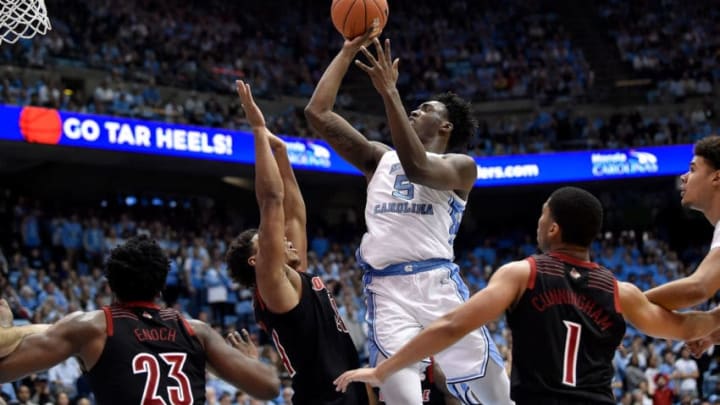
(243, 343)
(247, 102)
(699, 346)
(365, 375)
(356, 43)
(383, 70)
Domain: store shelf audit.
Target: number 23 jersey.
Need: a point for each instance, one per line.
(151, 357)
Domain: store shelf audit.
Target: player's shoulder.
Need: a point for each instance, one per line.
(86, 324)
(516, 269)
(84, 316)
(629, 290)
(381, 147)
(517, 265)
(456, 157)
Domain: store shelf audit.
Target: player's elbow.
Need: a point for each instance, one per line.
(453, 329)
(316, 116)
(698, 291)
(270, 198)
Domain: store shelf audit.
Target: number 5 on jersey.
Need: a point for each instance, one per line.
(403, 188)
(178, 395)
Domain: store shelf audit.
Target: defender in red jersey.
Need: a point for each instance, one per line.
(294, 308)
(134, 352)
(565, 312)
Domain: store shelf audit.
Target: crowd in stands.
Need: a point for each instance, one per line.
(549, 130)
(674, 42)
(51, 265)
(514, 49)
(489, 52)
(565, 129)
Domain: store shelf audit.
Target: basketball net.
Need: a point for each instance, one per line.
(22, 19)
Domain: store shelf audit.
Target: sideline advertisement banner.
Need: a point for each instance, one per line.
(53, 127)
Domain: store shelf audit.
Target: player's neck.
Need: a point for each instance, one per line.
(435, 145)
(575, 252)
(713, 214)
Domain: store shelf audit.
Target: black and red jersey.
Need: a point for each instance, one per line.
(151, 357)
(565, 329)
(314, 345)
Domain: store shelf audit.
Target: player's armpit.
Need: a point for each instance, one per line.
(657, 321)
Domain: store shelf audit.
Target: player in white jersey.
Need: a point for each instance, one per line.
(700, 191)
(416, 197)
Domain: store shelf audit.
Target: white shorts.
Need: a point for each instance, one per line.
(400, 306)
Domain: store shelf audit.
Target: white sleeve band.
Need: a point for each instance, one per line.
(716, 237)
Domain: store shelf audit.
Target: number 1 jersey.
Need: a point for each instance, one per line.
(565, 330)
(151, 357)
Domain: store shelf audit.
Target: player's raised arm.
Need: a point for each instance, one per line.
(294, 204)
(250, 375)
(657, 321)
(503, 290)
(275, 288)
(450, 172)
(693, 289)
(343, 138)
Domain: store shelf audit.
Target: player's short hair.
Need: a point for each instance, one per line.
(578, 213)
(240, 250)
(137, 269)
(709, 149)
(460, 115)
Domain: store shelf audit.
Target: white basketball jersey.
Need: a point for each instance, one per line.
(407, 222)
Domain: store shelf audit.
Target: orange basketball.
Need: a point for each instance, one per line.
(353, 17)
(40, 125)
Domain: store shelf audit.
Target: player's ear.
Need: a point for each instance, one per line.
(446, 126)
(716, 177)
(554, 230)
(251, 260)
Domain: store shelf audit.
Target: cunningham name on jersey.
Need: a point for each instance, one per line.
(407, 222)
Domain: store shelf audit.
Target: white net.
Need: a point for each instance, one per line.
(22, 19)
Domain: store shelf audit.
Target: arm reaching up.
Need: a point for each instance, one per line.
(275, 287)
(294, 204)
(447, 172)
(333, 128)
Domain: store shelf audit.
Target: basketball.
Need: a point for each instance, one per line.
(40, 125)
(353, 17)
